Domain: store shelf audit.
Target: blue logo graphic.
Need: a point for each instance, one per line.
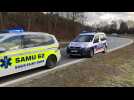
(100, 46)
(5, 62)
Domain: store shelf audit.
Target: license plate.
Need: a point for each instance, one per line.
(74, 51)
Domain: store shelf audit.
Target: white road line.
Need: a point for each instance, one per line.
(58, 67)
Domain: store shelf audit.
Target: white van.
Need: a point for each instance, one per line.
(88, 44)
(27, 50)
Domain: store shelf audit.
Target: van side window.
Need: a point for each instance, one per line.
(102, 37)
(35, 40)
(96, 39)
(13, 43)
(47, 40)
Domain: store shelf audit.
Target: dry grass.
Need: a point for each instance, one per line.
(112, 69)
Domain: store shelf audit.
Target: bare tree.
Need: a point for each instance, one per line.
(29, 21)
(123, 27)
(55, 22)
(3, 16)
(78, 16)
(83, 18)
(1, 19)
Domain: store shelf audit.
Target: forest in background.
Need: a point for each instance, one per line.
(63, 28)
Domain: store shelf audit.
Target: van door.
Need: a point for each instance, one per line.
(34, 51)
(103, 41)
(12, 46)
(40, 46)
(96, 43)
(98, 46)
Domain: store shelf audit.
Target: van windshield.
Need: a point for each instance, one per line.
(83, 38)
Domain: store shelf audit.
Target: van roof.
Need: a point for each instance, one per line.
(24, 33)
(92, 33)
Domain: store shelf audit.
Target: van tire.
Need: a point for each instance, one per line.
(91, 53)
(105, 49)
(51, 61)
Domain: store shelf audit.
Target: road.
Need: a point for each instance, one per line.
(113, 44)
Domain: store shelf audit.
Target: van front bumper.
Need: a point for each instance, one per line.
(77, 51)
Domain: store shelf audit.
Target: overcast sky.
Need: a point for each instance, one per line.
(95, 17)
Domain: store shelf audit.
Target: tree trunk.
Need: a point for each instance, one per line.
(29, 21)
(1, 20)
(55, 24)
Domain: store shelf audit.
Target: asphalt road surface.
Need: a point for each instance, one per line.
(113, 43)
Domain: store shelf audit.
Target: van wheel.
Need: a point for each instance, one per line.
(91, 53)
(51, 61)
(105, 49)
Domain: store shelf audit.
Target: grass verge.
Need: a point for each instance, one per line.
(115, 69)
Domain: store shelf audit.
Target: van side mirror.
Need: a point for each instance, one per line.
(2, 49)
